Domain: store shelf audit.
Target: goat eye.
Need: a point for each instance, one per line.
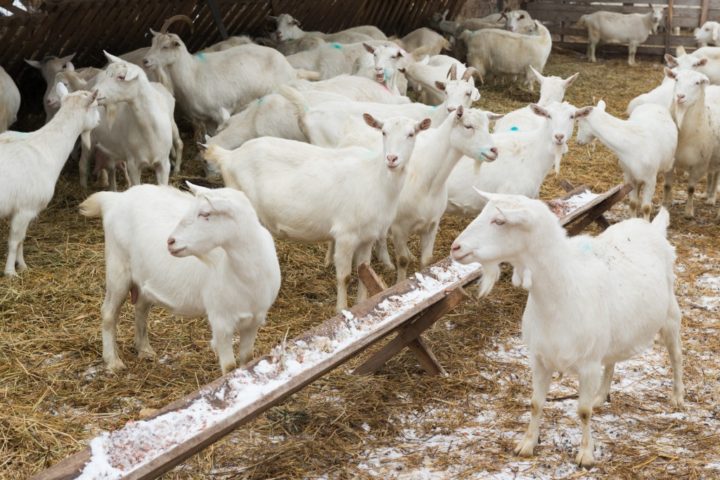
(498, 221)
(383, 134)
(469, 127)
(411, 135)
(205, 215)
(521, 17)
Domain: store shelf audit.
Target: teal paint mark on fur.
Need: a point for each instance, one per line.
(514, 129)
(201, 56)
(336, 45)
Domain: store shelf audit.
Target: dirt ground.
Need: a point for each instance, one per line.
(399, 423)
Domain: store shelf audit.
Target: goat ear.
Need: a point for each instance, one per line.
(131, 73)
(538, 110)
(538, 76)
(475, 96)
(196, 189)
(670, 74)
(583, 112)
(485, 196)
(440, 85)
(154, 33)
(601, 105)
(571, 79)
(716, 31)
(369, 48)
(701, 62)
(61, 90)
(671, 61)
(423, 125)
(112, 58)
(494, 116)
(372, 121)
(67, 58)
(34, 63)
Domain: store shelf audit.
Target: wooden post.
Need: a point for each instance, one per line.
(409, 334)
(668, 25)
(217, 18)
(704, 6)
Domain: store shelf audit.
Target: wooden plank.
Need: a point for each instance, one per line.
(411, 332)
(72, 466)
(704, 7)
(579, 223)
(371, 280)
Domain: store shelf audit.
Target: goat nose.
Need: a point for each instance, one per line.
(559, 137)
(680, 96)
(455, 247)
(171, 241)
(392, 159)
(146, 62)
(494, 150)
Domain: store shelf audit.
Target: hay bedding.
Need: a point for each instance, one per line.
(397, 424)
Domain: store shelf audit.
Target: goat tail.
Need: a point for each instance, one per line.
(307, 74)
(94, 205)
(299, 103)
(661, 221)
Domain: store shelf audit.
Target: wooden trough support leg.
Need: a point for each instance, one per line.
(409, 335)
(572, 190)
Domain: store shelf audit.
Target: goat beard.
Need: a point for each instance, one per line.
(559, 151)
(678, 112)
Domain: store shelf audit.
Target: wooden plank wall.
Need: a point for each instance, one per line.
(86, 27)
(560, 17)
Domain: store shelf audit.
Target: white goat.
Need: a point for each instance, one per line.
(645, 145)
(696, 111)
(525, 158)
(614, 27)
(424, 196)
(9, 100)
(143, 128)
(552, 89)
(229, 42)
(331, 59)
(349, 195)
(288, 28)
(49, 66)
(508, 53)
(205, 254)
(705, 60)
(230, 79)
(429, 40)
(709, 33)
(386, 63)
(334, 124)
(31, 164)
(593, 302)
(428, 76)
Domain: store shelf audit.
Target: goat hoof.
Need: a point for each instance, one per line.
(585, 458)
(115, 366)
(525, 448)
(678, 403)
(147, 354)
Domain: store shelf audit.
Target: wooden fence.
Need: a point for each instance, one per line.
(86, 27)
(560, 17)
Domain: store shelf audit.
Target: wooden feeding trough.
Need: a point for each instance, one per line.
(148, 448)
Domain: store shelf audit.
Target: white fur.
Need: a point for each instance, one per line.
(205, 83)
(525, 158)
(431, 42)
(138, 126)
(195, 255)
(312, 194)
(424, 196)
(333, 124)
(645, 145)
(49, 67)
(708, 33)
(424, 76)
(696, 111)
(552, 89)
(593, 302)
(288, 28)
(9, 100)
(614, 27)
(508, 53)
(31, 164)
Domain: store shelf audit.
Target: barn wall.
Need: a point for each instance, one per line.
(89, 26)
(560, 17)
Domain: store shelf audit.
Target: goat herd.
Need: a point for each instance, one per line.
(316, 142)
